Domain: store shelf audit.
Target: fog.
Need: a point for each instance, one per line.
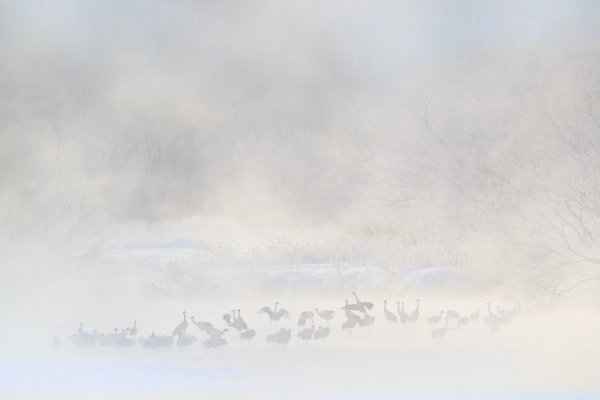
(168, 155)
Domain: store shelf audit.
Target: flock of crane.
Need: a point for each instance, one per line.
(356, 314)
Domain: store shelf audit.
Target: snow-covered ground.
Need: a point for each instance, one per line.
(539, 355)
(552, 354)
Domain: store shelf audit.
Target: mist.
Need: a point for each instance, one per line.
(168, 155)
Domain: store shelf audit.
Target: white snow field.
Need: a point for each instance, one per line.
(540, 354)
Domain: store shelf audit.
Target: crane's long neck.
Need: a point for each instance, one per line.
(489, 308)
(385, 306)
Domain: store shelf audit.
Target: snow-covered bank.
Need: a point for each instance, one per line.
(189, 267)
